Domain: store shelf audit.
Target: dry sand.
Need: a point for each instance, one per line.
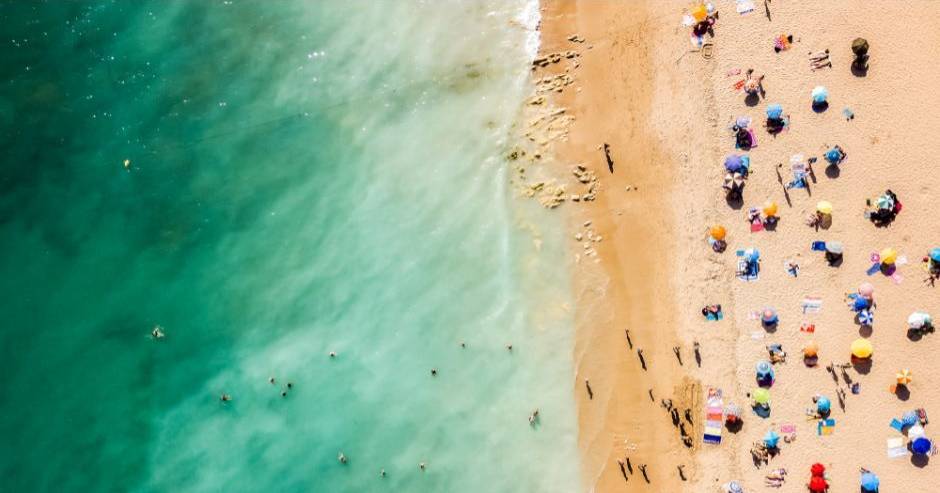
(665, 114)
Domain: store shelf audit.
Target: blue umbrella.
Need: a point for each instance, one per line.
(910, 418)
(866, 317)
(823, 405)
(774, 111)
(820, 94)
(752, 254)
(870, 482)
(860, 303)
(921, 446)
(764, 368)
(733, 163)
(935, 254)
(833, 156)
(771, 439)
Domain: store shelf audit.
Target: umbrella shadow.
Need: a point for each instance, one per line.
(902, 392)
(833, 171)
(920, 460)
(752, 100)
(735, 203)
(820, 107)
(862, 366)
(864, 330)
(736, 426)
(860, 66)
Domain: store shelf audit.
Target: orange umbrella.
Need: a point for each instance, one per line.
(718, 232)
(770, 208)
(904, 377)
(699, 12)
(811, 350)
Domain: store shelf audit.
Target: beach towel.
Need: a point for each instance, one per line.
(818, 246)
(744, 6)
(757, 225)
(811, 304)
(896, 448)
(897, 425)
(747, 271)
(825, 426)
(714, 417)
(787, 428)
(874, 269)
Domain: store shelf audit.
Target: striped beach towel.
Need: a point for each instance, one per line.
(714, 418)
(811, 304)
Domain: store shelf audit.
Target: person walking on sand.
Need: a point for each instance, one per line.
(623, 469)
(587, 383)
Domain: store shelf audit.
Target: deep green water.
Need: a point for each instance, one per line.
(304, 177)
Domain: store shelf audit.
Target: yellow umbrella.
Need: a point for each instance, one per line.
(718, 232)
(904, 377)
(699, 13)
(824, 207)
(761, 396)
(770, 208)
(889, 255)
(861, 348)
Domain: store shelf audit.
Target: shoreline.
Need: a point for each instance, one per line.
(628, 285)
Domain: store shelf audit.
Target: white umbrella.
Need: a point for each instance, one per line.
(918, 320)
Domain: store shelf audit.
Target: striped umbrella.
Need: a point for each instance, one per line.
(904, 377)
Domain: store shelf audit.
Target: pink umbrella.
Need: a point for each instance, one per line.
(866, 290)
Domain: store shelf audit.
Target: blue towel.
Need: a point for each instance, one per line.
(897, 425)
(819, 246)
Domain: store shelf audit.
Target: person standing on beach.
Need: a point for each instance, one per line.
(587, 383)
(610, 161)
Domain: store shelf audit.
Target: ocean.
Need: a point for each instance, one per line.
(270, 182)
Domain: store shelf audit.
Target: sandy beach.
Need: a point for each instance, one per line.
(666, 112)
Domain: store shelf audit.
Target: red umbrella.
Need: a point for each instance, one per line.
(817, 470)
(818, 485)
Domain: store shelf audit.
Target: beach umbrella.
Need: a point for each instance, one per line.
(884, 202)
(869, 482)
(921, 445)
(860, 46)
(824, 207)
(918, 320)
(811, 350)
(820, 94)
(823, 405)
(763, 368)
(910, 418)
(834, 247)
(861, 348)
(866, 317)
(818, 485)
(866, 290)
(769, 316)
(889, 255)
(699, 12)
(743, 121)
(733, 162)
(770, 208)
(717, 232)
(734, 487)
(774, 111)
(904, 377)
(771, 439)
(817, 470)
(833, 156)
(752, 254)
(732, 410)
(935, 254)
(916, 430)
(761, 396)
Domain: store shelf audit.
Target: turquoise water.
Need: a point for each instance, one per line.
(303, 177)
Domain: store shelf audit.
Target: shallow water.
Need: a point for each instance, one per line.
(304, 177)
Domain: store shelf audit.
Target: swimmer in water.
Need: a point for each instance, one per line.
(157, 332)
